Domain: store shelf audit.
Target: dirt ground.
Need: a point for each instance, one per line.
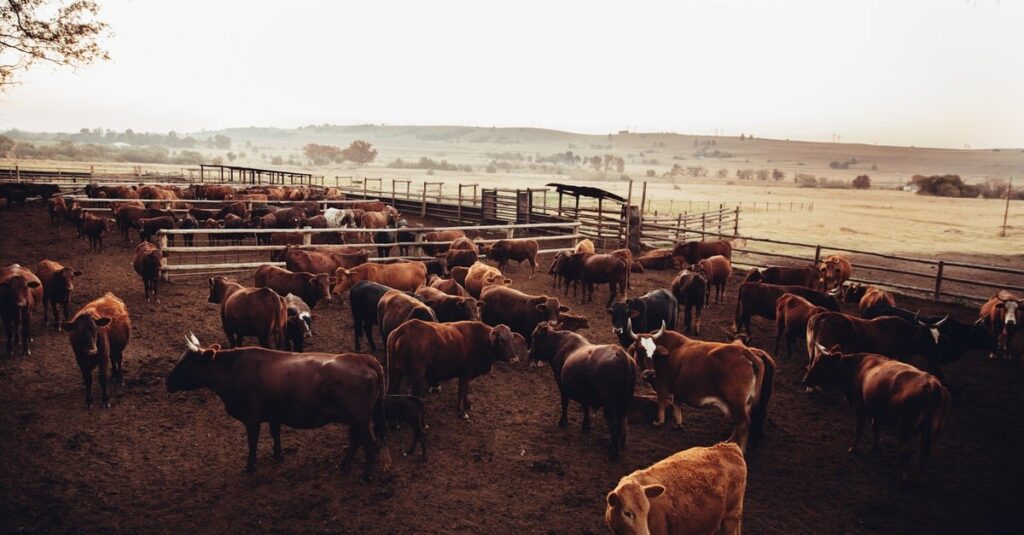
(156, 462)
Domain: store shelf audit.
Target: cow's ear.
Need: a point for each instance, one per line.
(518, 338)
(614, 500)
(564, 308)
(33, 284)
(508, 281)
(634, 314)
(653, 491)
(102, 322)
(479, 304)
(541, 307)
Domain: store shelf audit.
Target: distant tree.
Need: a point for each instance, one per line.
(744, 174)
(59, 32)
(762, 174)
(6, 144)
(359, 152)
(219, 141)
(276, 160)
(651, 173)
(595, 162)
(778, 175)
(321, 154)
(231, 156)
(217, 160)
(722, 173)
(862, 182)
(743, 137)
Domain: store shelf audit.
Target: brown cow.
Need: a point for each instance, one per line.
(459, 275)
(321, 262)
(887, 392)
(612, 269)
(300, 390)
(699, 490)
(464, 244)
(300, 323)
(448, 236)
(519, 250)
(310, 287)
(644, 409)
(480, 276)
(383, 219)
(58, 284)
(369, 206)
(690, 289)
(460, 257)
(520, 311)
(718, 269)
(658, 259)
(792, 313)
(873, 296)
(94, 228)
(730, 377)
(999, 314)
(596, 376)
(690, 253)
(785, 276)
(449, 308)
(891, 336)
(99, 332)
(572, 322)
(833, 271)
(758, 299)
(150, 226)
(434, 352)
(448, 286)
(584, 246)
(57, 209)
(20, 290)
(396, 307)
(406, 276)
(258, 312)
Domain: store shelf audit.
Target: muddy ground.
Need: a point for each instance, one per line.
(156, 462)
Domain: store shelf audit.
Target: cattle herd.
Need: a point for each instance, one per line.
(454, 317)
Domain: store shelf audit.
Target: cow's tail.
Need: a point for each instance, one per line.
(931, 417)
(812, 336)
(739, 312)
(759, 412)
(380, 426)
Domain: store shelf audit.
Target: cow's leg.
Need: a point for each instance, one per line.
(563, 422)
(47, 304)
(741, 426)
(463, 399)
(275, 433)
(615, 429)
(780, 331)
(533, 266)
(26, 333)
(861, 417)
(264, 340)
(156, 288)
(906, 436)
(357, 333)
(87, 382)
(876, 429)
(732, 521)
(678, 414)
(662, 402)
(612, 292)
(696, 325)
(369, 444)
(252, 432)
(116, 371)
(586, 418)
(66, 306)
(9, 333)
(105, 399)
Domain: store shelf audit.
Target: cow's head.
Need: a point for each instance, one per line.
(343, 280)
(82, 331)
(549, 308)
(303, 319)
(628, 507)
(934, 328)
(573, 322)
(319, 286)
(1009, 308)
(66, 279)
(543, 345)
(193, 368)
(824, 369)
(218, 288)
(645, 348)
(503, 341)
(621, 314)
(19, 289)
(467, 308)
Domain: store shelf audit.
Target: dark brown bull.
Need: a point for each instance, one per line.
(127, 217)
(891, 336)
(690, 290)
(258, 312)
(449, 308)
(785, 276)
(792, 313)
(600, 269)
(889, 393)
(99, 333)
(689, 253)
(408, 410)
(57, 209)
(730, 377)
(595, 376)
(300, 390)
(433, 352)
(310, 287)
(58, 285)
(521, 312)
(20, 290)
(522, 250)
(460, 258)
(759, 299)
(94, 228)
(396, 307)
(150, 226)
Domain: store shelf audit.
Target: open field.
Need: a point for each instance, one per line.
(156, 462)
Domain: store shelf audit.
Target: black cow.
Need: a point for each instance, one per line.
(363, 298)
(647, 313)
(954, 337)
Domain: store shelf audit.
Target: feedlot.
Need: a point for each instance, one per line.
(156, 462)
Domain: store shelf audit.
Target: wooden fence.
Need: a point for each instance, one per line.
(666, 230)
(102, 205)
(213, 257)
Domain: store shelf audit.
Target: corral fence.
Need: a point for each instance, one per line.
(666, 230)
(209, 255)
(935, 279)
(176, 205)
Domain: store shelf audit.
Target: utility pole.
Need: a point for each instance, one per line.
(1006, 211)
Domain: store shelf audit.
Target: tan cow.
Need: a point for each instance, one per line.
(480, 276)
(833, 271)
(406, 276)
(718, 269)
(699, 490)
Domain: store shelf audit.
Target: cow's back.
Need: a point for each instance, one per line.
(115, 334)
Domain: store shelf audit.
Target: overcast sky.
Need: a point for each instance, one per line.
(908, 72)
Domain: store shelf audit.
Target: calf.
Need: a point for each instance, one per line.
(785, 276)
(792, 313)
(300, 323)
(448, 286)
(396, 307)
(449, 308)
(300, 390)
(889, 393)
(188, 223)
(520, 311)
(20, 290)
(596, 376)
(758, 299)
(94, 228)
(310, 287)
(363, 298)
(689, 253)
(522, 250)
(690, 290)
(258, 312)
(718, 269)
(147, 263)
(658, 259)
(603, 268)
(58, 284)
(699, 490)
(480, 276)
(408, 410)
(730, 377)
(434, 352)
(99, 333)
(647, 314)
(999, 314)
(57, 209)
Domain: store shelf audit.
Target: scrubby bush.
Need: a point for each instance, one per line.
(744, 174)
(651, 173)
(805, 180)
(944, 186)
(428, 163)
(862, 182)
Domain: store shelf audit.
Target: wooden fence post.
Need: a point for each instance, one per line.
(459, 209)
(163, 259)
(938, 280)
(307, 239)
(679, 224)
(423, 209)
(817, 254)
(736, 223)
(703, 225)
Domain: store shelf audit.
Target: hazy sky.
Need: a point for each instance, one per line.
(910, 72)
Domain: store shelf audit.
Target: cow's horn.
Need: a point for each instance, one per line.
(660, 332)
(192, 338)
(629, 329)
(821, 348)
(941, 321)
(916, 314)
